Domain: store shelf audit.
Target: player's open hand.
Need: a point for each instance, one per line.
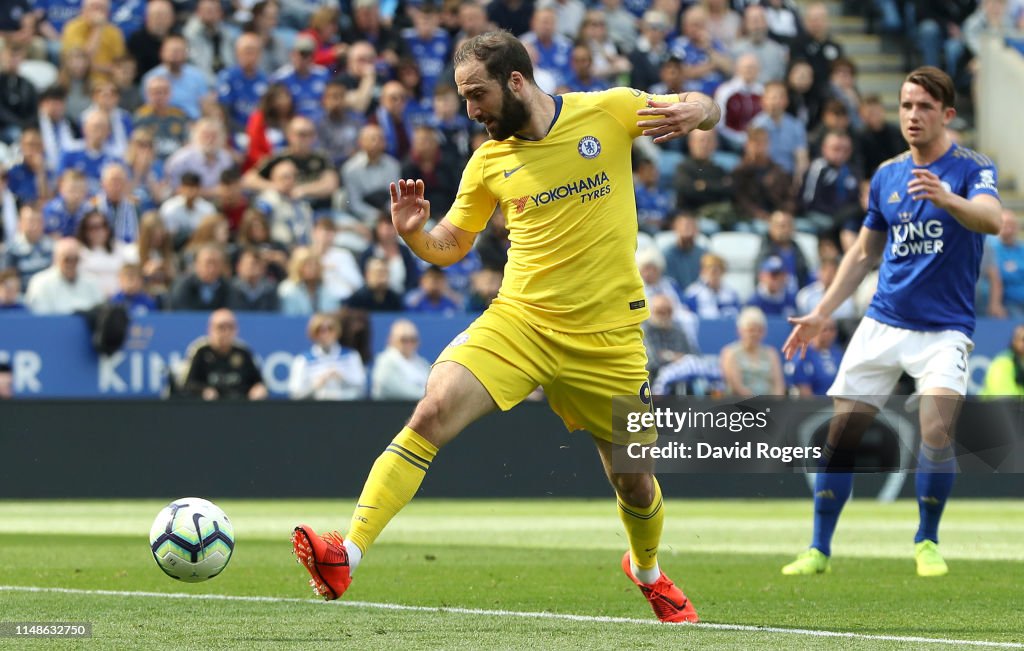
(926, 185)
(674, 119)
(409, 210)
(805, 328)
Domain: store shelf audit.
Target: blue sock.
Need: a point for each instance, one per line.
(936, 469)
(831, 490)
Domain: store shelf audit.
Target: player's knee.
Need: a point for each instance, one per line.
(633, 489)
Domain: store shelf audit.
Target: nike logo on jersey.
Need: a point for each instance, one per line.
(363, 506)
(894, 197)
(512, 171)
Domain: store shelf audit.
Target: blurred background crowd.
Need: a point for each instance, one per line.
(227, 156)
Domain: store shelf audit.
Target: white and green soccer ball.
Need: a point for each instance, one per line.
(192, 539)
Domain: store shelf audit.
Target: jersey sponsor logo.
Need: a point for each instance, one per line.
(986, 180)
(520, 203)
(894, 197)
(589, 147)
(459, 340)
(589, 188)
(512, 171)
(917, 238)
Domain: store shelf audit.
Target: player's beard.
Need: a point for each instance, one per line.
(514, 116)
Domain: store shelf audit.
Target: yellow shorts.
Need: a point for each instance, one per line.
(579, 372)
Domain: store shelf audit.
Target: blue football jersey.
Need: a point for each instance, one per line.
(430, 54)
(240, 94)
(306, 91)
(931, 262)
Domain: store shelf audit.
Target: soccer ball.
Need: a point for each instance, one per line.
(192, 539)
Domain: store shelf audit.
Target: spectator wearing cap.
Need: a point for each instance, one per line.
(304, 79)
(400, 372)
(18, 102)
(367, 174)
(58, 132)
(651, 50)
(92, 31)
(145, 44)
(220, 367)
(189, 85)
(773, 294)
(29, 251)
(240, 86)
(770, 53)
(316, 178)
(61, 289)
(168, 124)
(210, 38)
(326, 370)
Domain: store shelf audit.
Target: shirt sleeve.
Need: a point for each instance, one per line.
(874, 219)
(982, 180)
(474, 203)
(623, 103)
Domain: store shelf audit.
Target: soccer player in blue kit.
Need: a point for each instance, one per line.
(928, 213)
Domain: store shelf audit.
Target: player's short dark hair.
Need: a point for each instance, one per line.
(5, 368)
(935, 82)
(500, 52)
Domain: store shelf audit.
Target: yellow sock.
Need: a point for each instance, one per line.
(393, 481)
(643, 529)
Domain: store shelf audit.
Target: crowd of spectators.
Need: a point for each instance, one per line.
(214, 154)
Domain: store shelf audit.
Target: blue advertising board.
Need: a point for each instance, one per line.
(52, 356)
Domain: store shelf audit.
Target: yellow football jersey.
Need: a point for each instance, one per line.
(571, 213)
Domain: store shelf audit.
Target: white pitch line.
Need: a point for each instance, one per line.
(515, 613)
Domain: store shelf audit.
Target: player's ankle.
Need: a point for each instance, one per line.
(354, 555)
(648, 576)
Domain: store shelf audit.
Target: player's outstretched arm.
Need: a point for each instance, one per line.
(861, 258)
(981, 213)
(673, 120)
(444, 245)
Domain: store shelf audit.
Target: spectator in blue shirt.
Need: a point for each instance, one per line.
(580, 78)
(62, 213)
(240, 87)
(813, 374)
(428, 44)
(91, 158)
(553, 49)
(131, 293)
(773, 294)
(29, 180)
(432, 296)
(706, 61)
(1008, 252)
(652, 203)
(304, 79)
(683, 256)
(30, 251)
(189, 86)
(787, 135)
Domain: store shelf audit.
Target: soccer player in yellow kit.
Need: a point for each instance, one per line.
(568, 315)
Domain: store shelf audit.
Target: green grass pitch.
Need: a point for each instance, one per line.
(520, 556)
